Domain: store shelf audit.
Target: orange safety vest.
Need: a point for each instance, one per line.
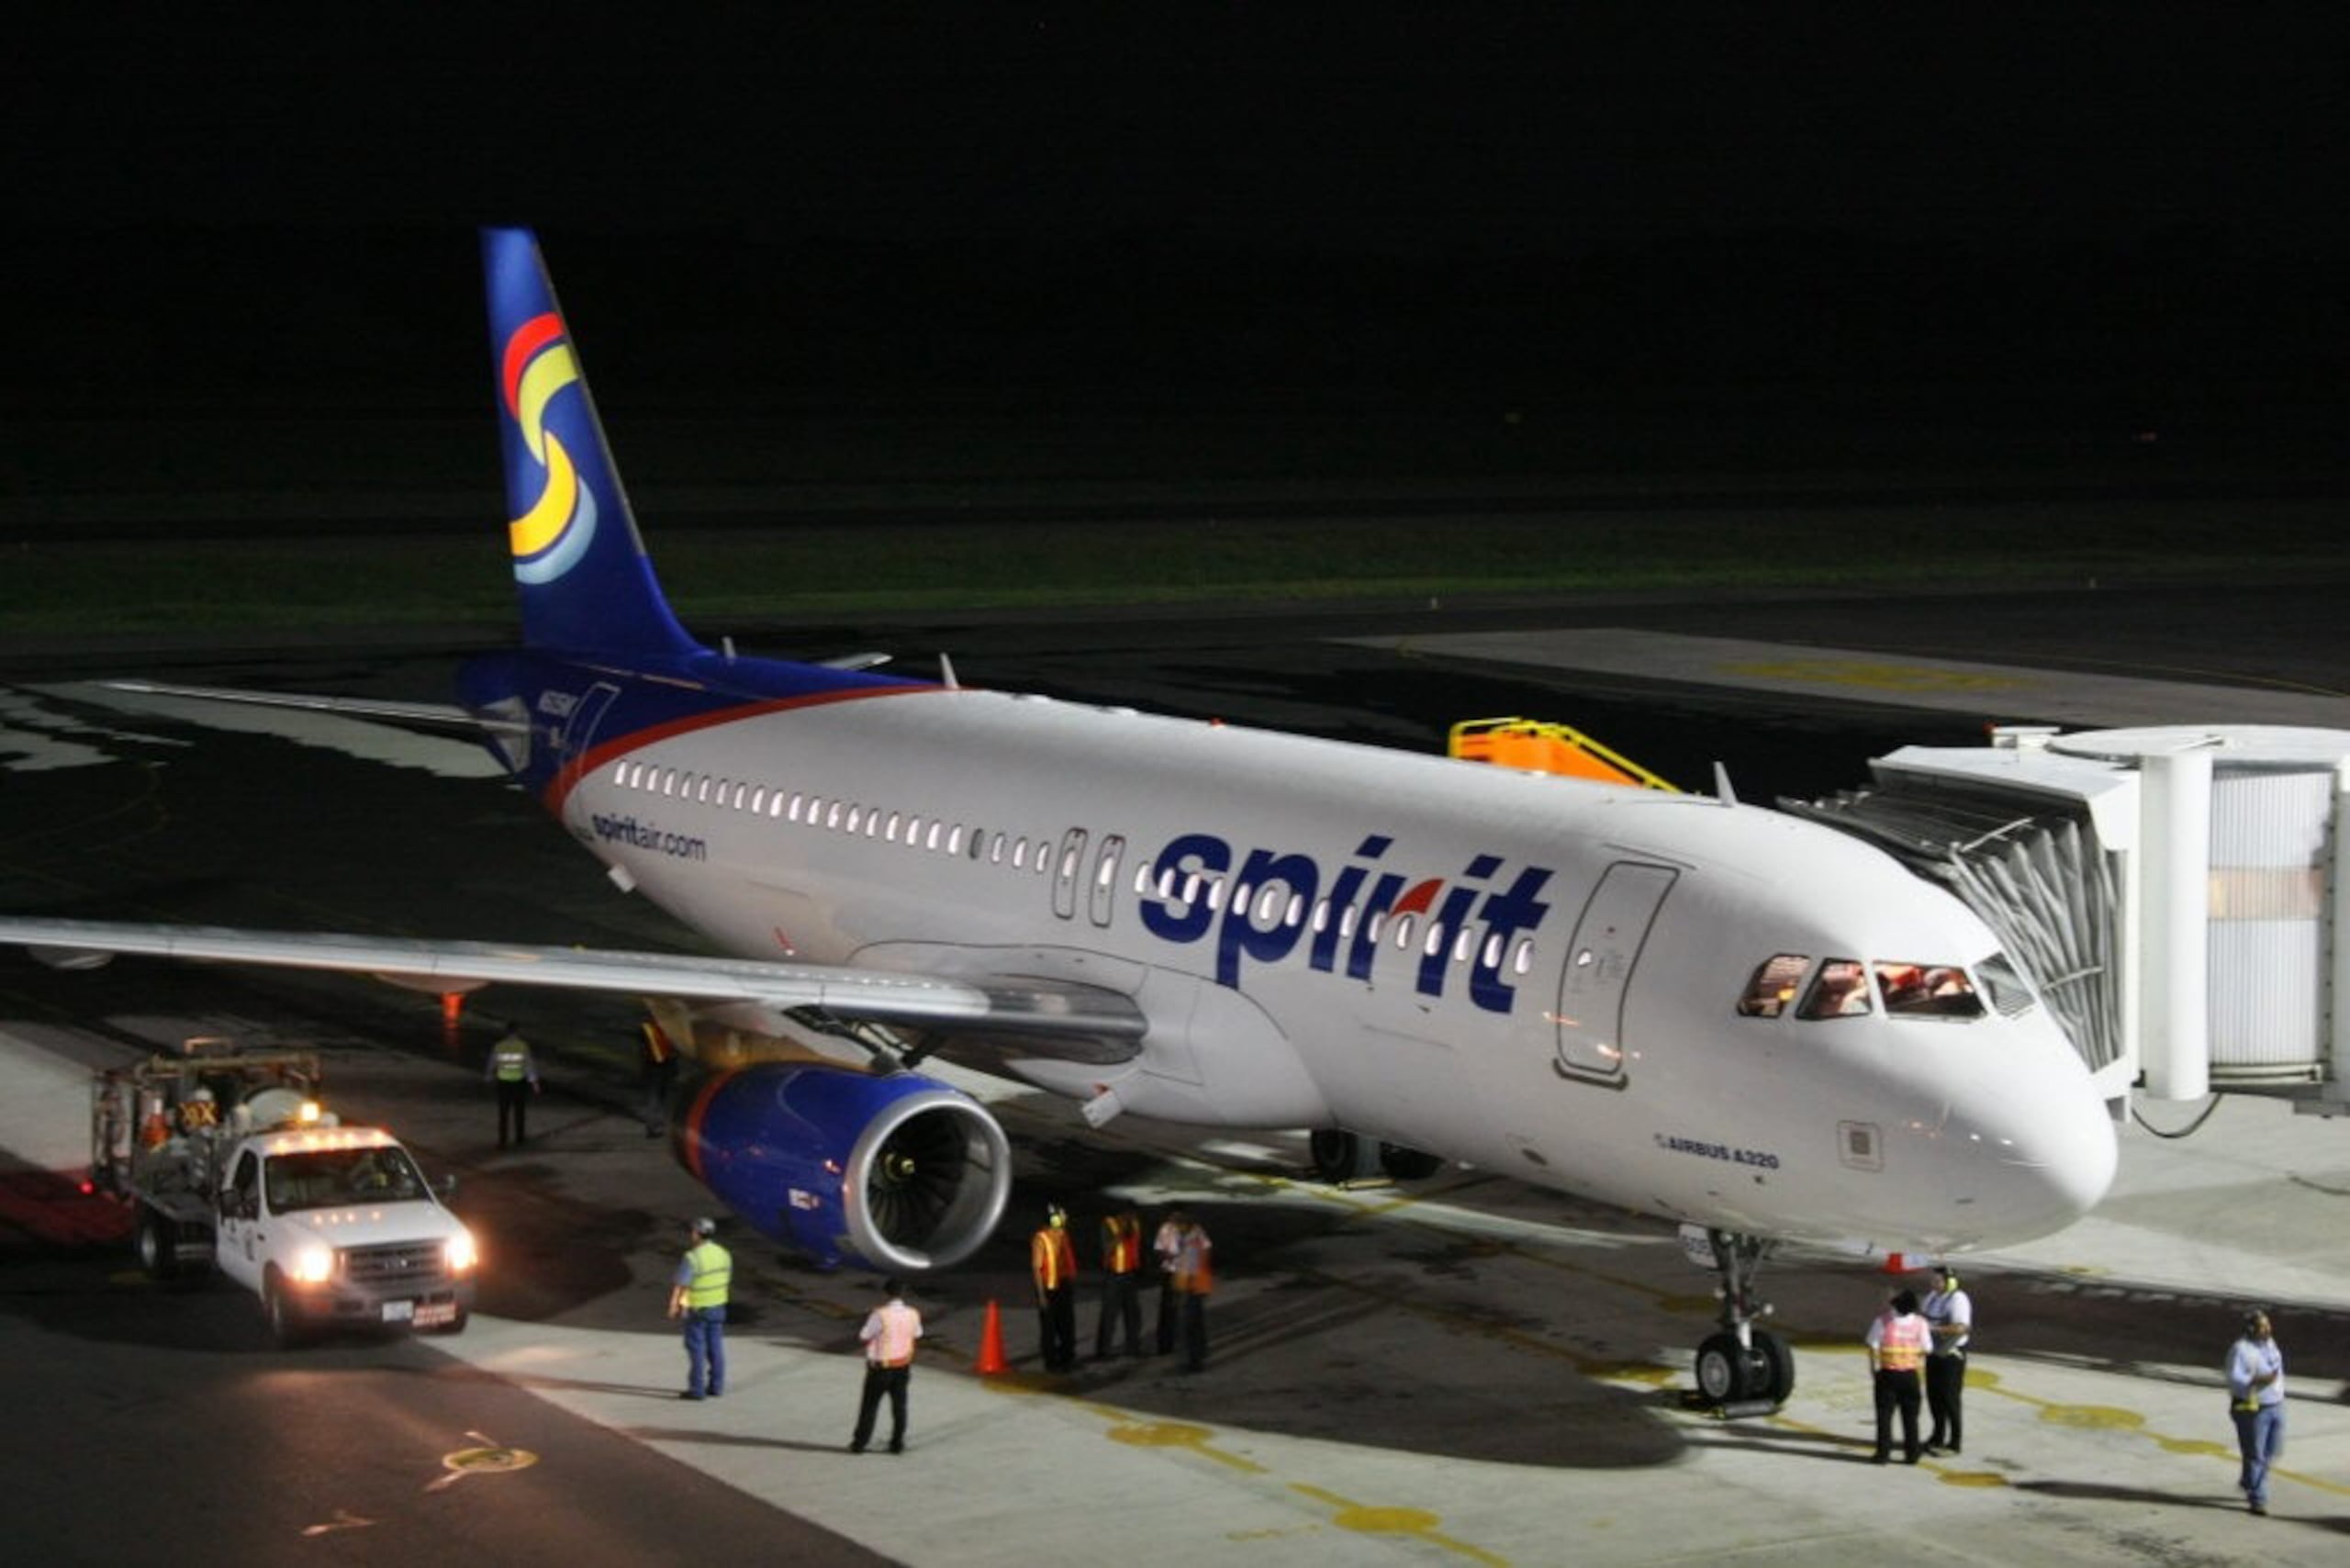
(1051, 1258)
(1194, 1274)
(1121, 1244)
(1902, 1343)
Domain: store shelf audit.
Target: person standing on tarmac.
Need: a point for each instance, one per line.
(1897, 1342)
(516, 1074)
(890, 1332)
(658, 1072)
(1052, 1263)
(1950, 1313)
(1195, 1279)
(1165, 1246)
(2256, 1404)
(697, 1295)
(1121, 1280)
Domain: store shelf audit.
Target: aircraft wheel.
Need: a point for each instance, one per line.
(1778, 1370)
(1408, 1164)
(158, 1243)
(1341, 1157)
(1722, 1375)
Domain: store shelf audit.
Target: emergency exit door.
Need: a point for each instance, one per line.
(1600, 959)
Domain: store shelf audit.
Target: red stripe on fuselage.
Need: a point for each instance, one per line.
(559, 789)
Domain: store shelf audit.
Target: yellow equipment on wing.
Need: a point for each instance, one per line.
(1540, 748)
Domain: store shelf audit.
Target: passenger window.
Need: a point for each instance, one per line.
(1841, 992)
(1772, 986)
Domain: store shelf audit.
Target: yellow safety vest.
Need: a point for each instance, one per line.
(513, 1062)
(713, 1266)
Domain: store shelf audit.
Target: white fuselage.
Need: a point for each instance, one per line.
(1535, 975)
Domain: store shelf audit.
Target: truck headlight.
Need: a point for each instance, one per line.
(313, 1265)
(461, 1253)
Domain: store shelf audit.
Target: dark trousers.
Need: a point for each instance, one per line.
(1945, 1381)
(660, 1080)
(1056, 1327)
(1171, 1309)
(1897, 1390)
(1120, 1303)
(513, 1098)
(1195, 1332)
(879, 1381)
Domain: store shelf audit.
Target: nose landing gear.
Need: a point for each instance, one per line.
(1742, 1370)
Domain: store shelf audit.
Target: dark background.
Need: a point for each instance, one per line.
(1984, 239)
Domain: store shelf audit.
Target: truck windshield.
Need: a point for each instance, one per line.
(330, 1178)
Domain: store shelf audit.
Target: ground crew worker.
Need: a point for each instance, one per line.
(1897, 1343)
(1164, 1246)
(658, 1072)
(1052, 1263)
(1950, 1313)
(200, 1112)
(1121, 1280)
(698, 1295)
(511, 1067)
(1194, 1280)
(890, 1332)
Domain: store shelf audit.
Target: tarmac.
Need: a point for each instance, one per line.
(1465, 1370)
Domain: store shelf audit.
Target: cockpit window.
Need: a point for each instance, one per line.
(1772, 986)
(1840, 990)
(1927, 991)
(2008, 992)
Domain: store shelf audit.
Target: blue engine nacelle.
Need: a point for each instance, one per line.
(899, 1173)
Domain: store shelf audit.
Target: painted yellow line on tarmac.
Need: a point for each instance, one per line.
(1875, 675)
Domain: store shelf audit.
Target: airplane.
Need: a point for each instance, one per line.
(1725, 1017)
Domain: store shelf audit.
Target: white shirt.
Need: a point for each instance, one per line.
(1950, 1308)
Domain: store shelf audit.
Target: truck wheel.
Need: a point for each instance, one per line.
(286, 1326)
(157, 1239)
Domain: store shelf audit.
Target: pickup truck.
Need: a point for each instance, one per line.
(229, 1162)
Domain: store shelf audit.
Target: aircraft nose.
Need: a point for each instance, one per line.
(2056, 1156)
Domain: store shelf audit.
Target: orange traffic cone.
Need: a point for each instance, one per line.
(991, 1358)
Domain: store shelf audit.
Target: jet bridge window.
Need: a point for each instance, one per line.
(1773, 985)
(1927, 991)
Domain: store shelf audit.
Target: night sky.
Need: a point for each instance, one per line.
(2116, 219)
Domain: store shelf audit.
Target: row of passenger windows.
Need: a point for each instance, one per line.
(1850, 988)
(1273, 905)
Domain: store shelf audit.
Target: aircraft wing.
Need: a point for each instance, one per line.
(1006, 1005)
(435, 716)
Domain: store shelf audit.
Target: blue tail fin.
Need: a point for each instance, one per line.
(579, 564)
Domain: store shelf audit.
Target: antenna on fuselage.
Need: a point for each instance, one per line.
(946, 673)
(1722, 792)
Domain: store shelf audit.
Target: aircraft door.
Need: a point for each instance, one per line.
(1599, 968)
(1067, 873)
(1106, 879)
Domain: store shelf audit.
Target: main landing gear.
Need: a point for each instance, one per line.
(1742, 1370)
(1341, 1157)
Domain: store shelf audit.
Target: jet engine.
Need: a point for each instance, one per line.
(897, 1172)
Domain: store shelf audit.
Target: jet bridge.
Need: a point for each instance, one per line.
(2173, 891)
